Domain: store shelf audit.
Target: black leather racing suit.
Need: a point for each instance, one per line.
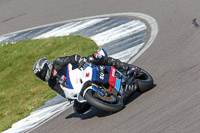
(60, 62)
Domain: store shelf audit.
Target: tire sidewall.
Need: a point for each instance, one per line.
(102, 105)
(147, 84)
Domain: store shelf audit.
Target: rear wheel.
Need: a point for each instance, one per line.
(109, 103)
(145, 81)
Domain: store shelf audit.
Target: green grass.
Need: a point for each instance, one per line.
(20, 91)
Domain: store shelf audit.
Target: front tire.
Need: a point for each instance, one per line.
(100, 104)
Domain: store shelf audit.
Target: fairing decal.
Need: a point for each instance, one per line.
(69, 84)
(113, 80)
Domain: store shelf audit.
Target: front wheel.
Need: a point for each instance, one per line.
(109, 103)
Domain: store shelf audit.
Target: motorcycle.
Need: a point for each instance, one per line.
(103, 87)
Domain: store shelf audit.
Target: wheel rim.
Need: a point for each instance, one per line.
(109, 99)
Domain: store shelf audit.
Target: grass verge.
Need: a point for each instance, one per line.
(20, 91)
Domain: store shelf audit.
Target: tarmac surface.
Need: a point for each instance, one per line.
(173, 60)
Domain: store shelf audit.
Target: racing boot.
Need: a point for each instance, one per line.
(134, 71)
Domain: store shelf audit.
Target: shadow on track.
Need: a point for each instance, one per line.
(94, 112)
(136, 95)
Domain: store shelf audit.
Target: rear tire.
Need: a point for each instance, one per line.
(98, 103)
(145, 81)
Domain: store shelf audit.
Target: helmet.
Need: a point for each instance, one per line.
(42, 69)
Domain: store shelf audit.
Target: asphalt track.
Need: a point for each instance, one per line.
(173, 60)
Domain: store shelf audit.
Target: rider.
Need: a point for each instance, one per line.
(46, 71)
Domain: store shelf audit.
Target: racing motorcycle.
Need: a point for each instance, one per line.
(102, 86)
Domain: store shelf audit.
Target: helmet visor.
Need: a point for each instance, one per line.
(42, 75)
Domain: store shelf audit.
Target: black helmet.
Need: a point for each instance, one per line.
(42, 69)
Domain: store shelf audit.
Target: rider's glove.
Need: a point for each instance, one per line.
(97, 56)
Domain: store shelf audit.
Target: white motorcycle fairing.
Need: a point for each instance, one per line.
(75, 79)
